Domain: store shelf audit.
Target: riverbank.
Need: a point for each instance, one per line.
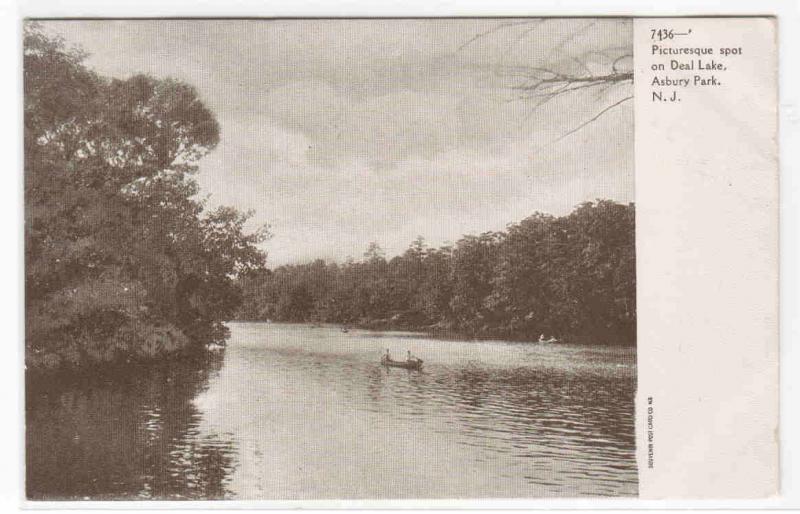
(442, 331)
(198, 354)
(38, 369)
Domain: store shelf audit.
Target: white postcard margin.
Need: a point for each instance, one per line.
(11, 495)
(707, 205)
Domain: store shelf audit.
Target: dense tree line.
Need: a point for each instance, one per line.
(122, 262)
(572, 276)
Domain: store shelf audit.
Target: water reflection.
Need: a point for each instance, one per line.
(300, 412)
(125, 436)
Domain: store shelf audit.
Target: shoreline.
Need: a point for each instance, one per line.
(443, 333)
(201, 356)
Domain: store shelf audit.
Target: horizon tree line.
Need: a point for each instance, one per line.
(572, 276)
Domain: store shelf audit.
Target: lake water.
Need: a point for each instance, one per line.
(300, 412)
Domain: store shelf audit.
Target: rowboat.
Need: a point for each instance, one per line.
(409, 364)
(548, 341)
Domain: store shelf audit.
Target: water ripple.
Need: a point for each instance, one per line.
(297, 412)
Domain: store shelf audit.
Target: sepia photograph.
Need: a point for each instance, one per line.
(329, 259)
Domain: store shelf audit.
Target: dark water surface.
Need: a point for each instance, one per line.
(292, 411)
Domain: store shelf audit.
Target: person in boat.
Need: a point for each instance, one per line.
(541, 338)
(388, 357)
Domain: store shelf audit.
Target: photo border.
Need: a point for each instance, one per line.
(12, 492)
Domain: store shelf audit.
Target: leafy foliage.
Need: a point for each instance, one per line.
(573, 277)
(122, 262)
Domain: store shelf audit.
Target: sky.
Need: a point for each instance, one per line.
(338, 133)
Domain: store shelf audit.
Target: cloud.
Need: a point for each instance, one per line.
(342, 132)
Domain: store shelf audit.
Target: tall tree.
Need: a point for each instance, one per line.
(122, 261)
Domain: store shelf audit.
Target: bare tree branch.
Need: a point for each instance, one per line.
(618, 59)
(593, 119)
(494, 29)
(558, 79)
(564, 72)
(571, 37)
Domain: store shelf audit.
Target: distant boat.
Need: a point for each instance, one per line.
(345, 330)
(547, 341)
(407, 364)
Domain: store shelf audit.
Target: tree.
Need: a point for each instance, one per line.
(474, 264)
(572, 276)
(122, 262)
(603, 69)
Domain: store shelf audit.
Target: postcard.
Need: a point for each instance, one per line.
(400, 258)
